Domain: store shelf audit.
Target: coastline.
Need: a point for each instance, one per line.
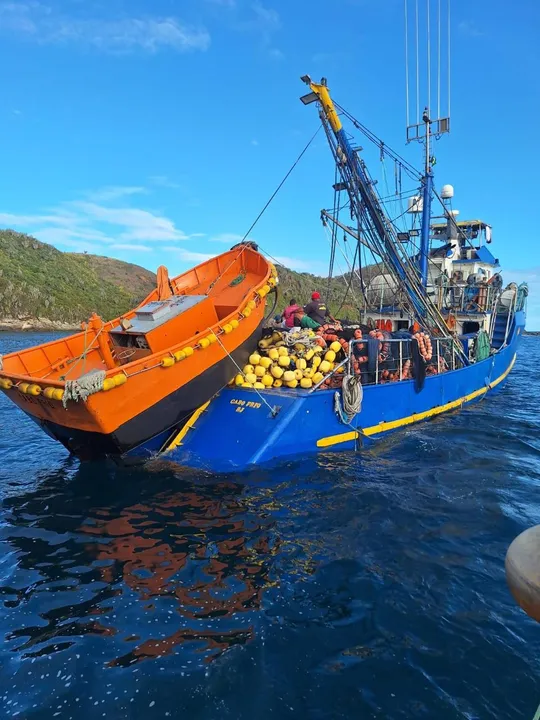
(29, 324)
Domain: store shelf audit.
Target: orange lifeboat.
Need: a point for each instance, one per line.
(134, 381)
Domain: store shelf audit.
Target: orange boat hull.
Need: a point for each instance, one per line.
(154, 380)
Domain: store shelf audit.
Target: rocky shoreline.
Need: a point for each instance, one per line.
(30, 324)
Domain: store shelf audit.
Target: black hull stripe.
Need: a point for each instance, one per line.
(169, 414)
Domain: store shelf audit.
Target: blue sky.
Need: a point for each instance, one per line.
(154, 131)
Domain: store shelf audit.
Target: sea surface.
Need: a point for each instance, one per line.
(351, 586)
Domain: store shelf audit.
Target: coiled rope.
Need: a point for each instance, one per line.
(352, 394)
(83, 387)
(300, 336)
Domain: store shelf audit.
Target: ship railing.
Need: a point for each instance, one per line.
(391, 360)
(463, 298)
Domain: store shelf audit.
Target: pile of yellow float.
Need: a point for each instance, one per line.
(303, 365)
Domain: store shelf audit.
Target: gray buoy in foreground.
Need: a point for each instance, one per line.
(523, 571)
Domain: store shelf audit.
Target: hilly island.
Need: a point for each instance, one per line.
(42, 288)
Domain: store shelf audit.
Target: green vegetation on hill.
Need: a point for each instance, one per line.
(339, 299)
(39, 281)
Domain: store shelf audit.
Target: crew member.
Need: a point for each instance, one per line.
(317, 310)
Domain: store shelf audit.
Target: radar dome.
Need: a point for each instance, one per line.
(447, 192)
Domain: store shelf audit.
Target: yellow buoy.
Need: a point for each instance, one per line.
(252, 304)
(179, 355)
(276, 371)
(246, 312)
(234, 324)
(325, 366)
(247, 385)
(335, 346)
(306, 383)
(278, 383)
(120, 379)
(108, 383)
(317, 378)
(228, 328)
(49, 393)
(188, 351)
(23, 387)
(284, 361)
(239, 380)
(260, 371)
(292, 384)
(298, 374)
(265, 362)
(330, 356)
(282, 351)
(254, 359)
(204, 343)
(6, 384)
(34, 390)
(268, 381)
(288, 376)
(308, 373)
(58, 394)
(318, 350)
(340, 369)
(166, 362)
(258, 385)
(251, 378)
(212, 338)
(309, 355)
(273, 354)
(316, 362)
(301, 364)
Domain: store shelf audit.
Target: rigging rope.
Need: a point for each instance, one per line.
(259, 216)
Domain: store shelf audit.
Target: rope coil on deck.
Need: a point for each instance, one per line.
(84, 386)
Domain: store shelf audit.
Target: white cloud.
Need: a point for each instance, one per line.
(127, 246)
(223, 3)
(229, 238)
(40, 23)
(276, 54)
(190, 256)
(309, 266)
(81, 224)
(138, 224)
(115, 192)
(163, 181)
(469, 28)
(255, 142)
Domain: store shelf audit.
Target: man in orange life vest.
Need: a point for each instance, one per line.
(317, 310)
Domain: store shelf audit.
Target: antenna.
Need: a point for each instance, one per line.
(414, 68)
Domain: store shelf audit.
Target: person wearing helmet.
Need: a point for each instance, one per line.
(317, 310)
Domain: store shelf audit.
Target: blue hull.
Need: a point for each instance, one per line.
(236, 430)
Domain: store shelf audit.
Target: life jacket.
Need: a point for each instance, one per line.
(289, 313)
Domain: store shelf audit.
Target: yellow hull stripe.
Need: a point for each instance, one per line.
(409, 420)
(184, 431)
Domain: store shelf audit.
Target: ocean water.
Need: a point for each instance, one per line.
(351, 586)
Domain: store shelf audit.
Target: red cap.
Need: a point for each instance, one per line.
(315, 296)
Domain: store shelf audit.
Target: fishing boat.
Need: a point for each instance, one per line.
(436, 329)
(134, 381)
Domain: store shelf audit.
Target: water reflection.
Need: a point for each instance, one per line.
(154, 562)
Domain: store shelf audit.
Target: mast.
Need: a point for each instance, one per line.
(427, 196)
